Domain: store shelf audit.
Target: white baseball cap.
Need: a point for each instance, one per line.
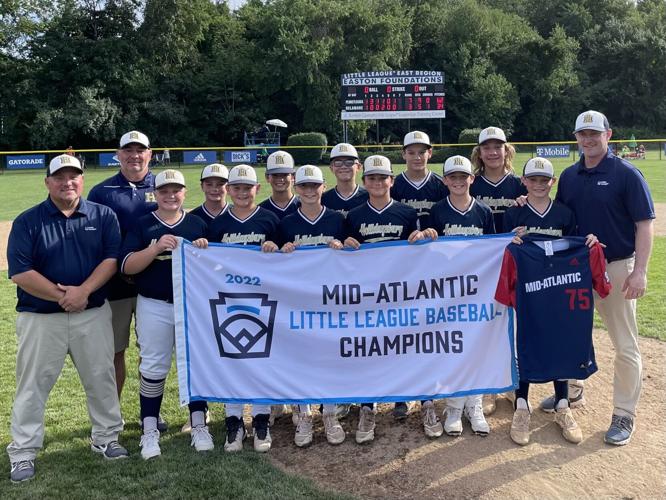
(169, 176)
(457, 163)
(591, 120)
(134, 136)
(215, 170)
(63, 161)
(280, 162)
(377, 164)
(309, 173)
(539, 166)
(243, 174)
(343, 150)
(416, 137)
(492, 133)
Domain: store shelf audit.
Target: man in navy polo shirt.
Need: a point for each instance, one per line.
(611, 199)
(61, 253)
(130, 195)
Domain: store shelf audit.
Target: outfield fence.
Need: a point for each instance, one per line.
(633, 150)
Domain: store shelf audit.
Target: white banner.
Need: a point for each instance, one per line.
(388, 322)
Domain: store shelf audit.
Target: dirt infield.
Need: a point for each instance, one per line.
(403, 463)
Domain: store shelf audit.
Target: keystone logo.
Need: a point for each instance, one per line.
(199, 158)
(243, 324)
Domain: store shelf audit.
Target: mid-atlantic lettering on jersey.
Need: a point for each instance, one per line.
(297, 228)
(205, 215)
(155, 281)
(395, 221)
(255, 229)
(447, 220)
(499, 196)
(421, 196)
(281, 212)
(549, 282)
(556, 220)
(335, 201)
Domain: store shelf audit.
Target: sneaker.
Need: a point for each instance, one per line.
(400, 410)
(453, 421)
(432, 426)
(276, 412)
(262, 433)
(303, 435)
(335, 434)
(111, 451)
(489, 404)
(235, 434)
(23, 470)
(576, 400)
(201, 438)
(366, 425)
(150, 444)
(476, 419)
(520, 426)
(295, 414)
(570, 429)
(342, 410)
(620, 431)
(187, 426)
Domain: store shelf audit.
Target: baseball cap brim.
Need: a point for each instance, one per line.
(378, 171)
(280, 170)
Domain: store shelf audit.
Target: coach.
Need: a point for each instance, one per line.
(61, 253)
(130, 195)
(611, 199)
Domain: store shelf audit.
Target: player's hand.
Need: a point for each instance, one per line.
(166, 243)
(200, 243)
(517, 240)
(591, 240)
(269, 247)
(430, 233)
(352, 243)
(75, 298)
(288, 247)
(335, 244)
(521, 201)
(415, 236)
(520, 231)
(635, 285)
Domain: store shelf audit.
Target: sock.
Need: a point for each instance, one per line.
(521, 404)
(149, 424)
(561, 390)
(562, 404)
(150, 397)
(198, 418)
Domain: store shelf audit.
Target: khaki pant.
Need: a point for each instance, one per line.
(44, 340)
(619, 316)
(121, 319)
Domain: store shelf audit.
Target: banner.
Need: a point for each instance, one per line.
(553, 151)
(108, 160)
(203, 157)
(15, 162)
(388, 322)
(249, 156)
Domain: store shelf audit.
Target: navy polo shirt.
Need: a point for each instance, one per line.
(63, 249)
(607, 200)
(130, 201)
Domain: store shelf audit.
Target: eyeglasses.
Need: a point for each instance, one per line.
(347, 163)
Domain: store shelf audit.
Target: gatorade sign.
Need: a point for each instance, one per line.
(199, 157)
(15, 162)
(249, 156)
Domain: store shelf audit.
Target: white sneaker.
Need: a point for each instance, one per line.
(432, 426)
(366, 425)
(453, 421)
(201, 438)
(570, 430)
(262, 433)
(476, 419)
(520, 426)
(150, 444)
(187, 426)
(235, 434)
(303, 435)
(335, 434)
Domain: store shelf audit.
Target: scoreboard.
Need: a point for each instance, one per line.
(393, 94)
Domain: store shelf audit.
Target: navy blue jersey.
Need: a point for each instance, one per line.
(419, 196)
(498, 195)
(297, 228)
(335, 201)
(551, 292)
(447, 220)
(130, 201)
(556, 220)
(395, 221)
(261, 225)
(205, 215)
(155, 280)
(290, 208)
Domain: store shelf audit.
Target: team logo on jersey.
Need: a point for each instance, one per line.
(243, 324)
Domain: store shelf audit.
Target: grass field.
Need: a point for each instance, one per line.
(23, 189)
(67, 468)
